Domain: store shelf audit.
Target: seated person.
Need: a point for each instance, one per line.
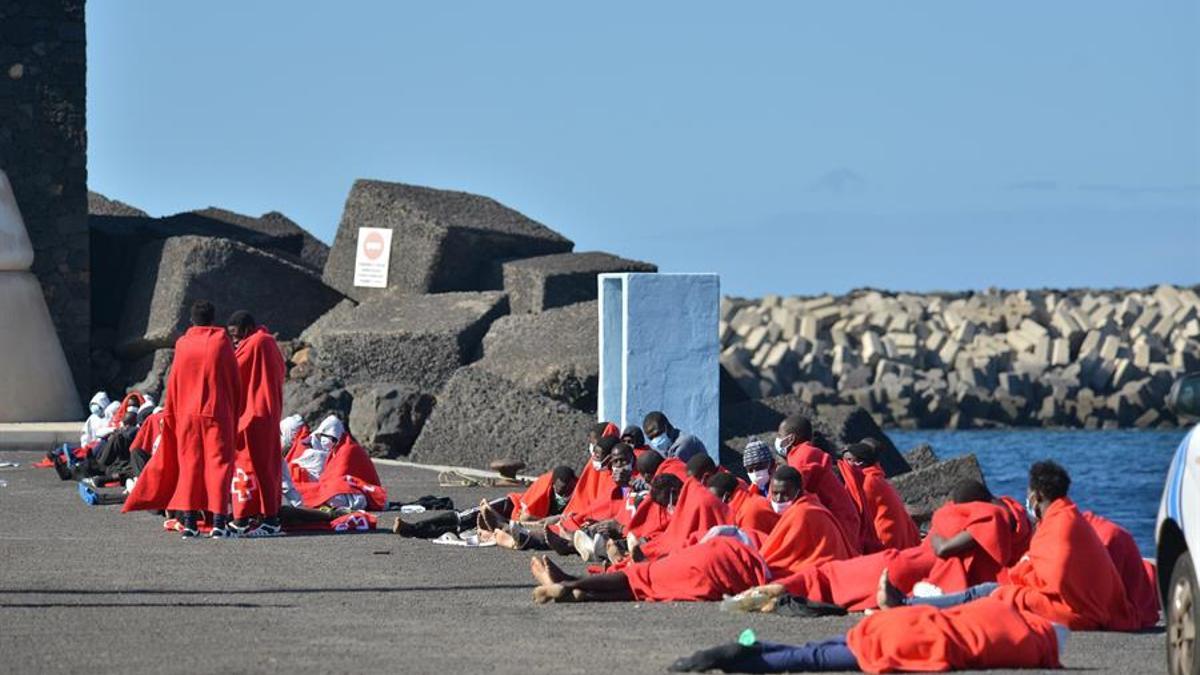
(1066, 577)
(885, 522)
(668, 441)
(555, 488)
(751, 511)
(333, 471)
(97, 424)
(794, 440)
(979, 635)
(759, 463)
(806, 534)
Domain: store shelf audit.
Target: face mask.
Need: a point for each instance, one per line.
(780, 507)
(597, 465)
(1029, 510)
(560, 502)
(760, 478)
(96, 410)
(660, 443)
(671, 506)
(780, 448)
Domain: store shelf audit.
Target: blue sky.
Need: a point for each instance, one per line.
(790, 147)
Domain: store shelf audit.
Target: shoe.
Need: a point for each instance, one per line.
(186, 532)
(240, 529)
(89, 481)
(222, 533)
(264, 530)
(129, 483)
(585, 545)
(172, 525)
(88, 495)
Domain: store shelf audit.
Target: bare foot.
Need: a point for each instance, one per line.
(397, 525)
(612, 551)
(488, 519)
(552, 592)
(537, 567)
(504, 539)
(554, 572)
(888, 596)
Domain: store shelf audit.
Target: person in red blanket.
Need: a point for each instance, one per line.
(885, 520)
(759, 464)
(258, 472)
(794, 440)
(1066, 577)
(334, 472)
(192, 470)
(751, 511)
(980, 635)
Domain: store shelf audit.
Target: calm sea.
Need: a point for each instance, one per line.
(1118, 474)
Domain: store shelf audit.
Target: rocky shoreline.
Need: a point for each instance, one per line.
(1096, 359)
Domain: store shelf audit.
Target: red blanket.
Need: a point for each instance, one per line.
(259, 465)
(805, 535)
(707, 571)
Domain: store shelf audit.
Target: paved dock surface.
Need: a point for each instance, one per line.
(86, 589)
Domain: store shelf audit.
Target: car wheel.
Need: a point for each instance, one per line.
(1183, 616)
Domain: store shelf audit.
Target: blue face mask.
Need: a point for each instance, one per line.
(660, 443)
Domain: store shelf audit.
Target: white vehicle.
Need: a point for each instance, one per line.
(1177, 534)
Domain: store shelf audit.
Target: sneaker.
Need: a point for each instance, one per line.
(172, 525)
(188, 532)
(89, 481)
(264, 530)
(222, 533)
(129, 483)
(88, 494)
(240, 528)
(585, 545)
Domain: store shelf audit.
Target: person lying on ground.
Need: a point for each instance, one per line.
(1066, 577)
(980, 635)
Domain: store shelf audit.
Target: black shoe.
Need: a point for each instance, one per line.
(188, 528)
(714, 658)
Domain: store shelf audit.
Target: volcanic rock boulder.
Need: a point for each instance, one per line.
(441, 241)
(413, 339)
(387, 418)
(921, 456)
(924, 490)
(169, 275)
(540, 283)
(480, 417)
(280, 232)
(553, 353)
(99, 205)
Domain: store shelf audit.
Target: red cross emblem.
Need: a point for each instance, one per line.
(243, 486)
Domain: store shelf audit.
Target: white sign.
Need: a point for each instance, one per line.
(371, 259)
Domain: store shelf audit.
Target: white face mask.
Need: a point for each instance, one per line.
(597, 465)
(780, 507)
(760, 478)
(780, 448)
(1029, 510)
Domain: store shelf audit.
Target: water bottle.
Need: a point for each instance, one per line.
(752, 600)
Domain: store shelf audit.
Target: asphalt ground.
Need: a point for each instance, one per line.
(87, 589)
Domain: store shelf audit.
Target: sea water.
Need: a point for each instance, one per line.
(1118, 474)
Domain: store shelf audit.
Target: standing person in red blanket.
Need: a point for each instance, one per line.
(192, 470)
(258, 474)
(1067, 577)
(794, 441)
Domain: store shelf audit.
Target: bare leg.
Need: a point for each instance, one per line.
(611, 587)
(293, 514)
(546, 573)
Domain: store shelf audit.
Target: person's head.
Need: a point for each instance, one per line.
(562, 481)
(288, 428)
(1048, 482)
(862, 454)
(328, 433)
(658, 431)
(620, 463)
(701, 467)
(111, 411)
(98, 403)
(203, 313)
(969, 490)
(633, 435)
(601, 450)
(648, 463)
(793, 430)
(130, 418)
(786, 488)
(144, 410)
(665, 489)
(596, 433)
(759, 463)
(240, 325)
(722, 485)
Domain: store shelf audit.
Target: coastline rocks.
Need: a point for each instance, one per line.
(1083, 358)
(925, 489)
(442, 240)
(386, 419)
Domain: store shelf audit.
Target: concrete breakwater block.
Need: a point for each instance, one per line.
(387, 418)
(442, 240)
(540, 283)
(171, 274)
(552, 353)
(925, 489)
(480, 417)
(413, 339)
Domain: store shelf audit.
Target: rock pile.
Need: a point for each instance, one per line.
(1081, 358)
